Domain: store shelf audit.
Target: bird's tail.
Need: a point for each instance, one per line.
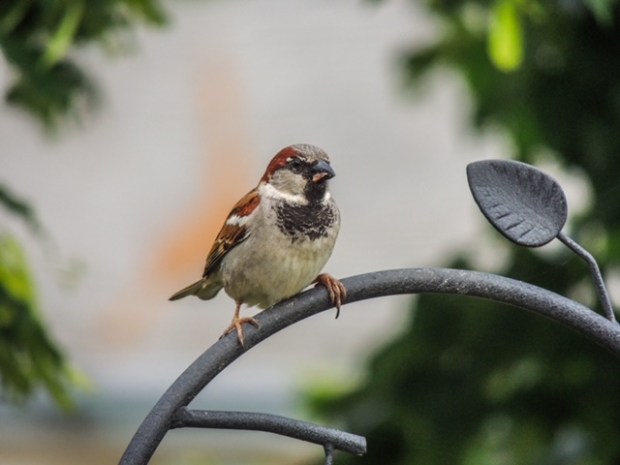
(202, 288)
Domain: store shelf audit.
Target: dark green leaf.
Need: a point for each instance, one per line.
(19, 207)
(29, 360)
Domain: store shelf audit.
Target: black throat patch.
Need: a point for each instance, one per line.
(310, 221)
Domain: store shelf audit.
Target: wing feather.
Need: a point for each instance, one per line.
(234, 231)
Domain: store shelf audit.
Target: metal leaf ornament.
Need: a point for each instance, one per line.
(524, 204)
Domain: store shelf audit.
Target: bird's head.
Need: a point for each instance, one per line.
(301, 171)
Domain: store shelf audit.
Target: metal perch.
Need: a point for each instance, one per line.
(378, 284)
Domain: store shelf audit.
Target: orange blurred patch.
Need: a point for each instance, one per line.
(227, 177)
(186, 248)
(180, 255)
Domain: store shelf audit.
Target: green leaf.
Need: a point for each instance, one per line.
(62, 39)
(13, 16)
(20, 208)
(29, 359)
(506, 42)
(602, 10)
(14, 273)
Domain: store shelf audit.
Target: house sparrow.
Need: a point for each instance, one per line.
(276, 239)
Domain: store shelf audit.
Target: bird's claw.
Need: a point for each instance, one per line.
(337, 291)
(237, 324)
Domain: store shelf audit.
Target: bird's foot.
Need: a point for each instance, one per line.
(237, 324)
(337, 291)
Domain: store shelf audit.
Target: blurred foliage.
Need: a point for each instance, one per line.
(469, 382)
(39, 39)
(28, 358)
(19, 208)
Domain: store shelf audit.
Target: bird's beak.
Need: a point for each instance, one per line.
(322, 171)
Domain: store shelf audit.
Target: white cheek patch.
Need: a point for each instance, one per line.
(268, 191)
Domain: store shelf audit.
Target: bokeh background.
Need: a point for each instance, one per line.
(131, 195)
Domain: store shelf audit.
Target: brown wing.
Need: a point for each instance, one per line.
(234, 231)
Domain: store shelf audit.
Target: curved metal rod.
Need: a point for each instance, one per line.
(595, 271)
(271, 424)
(365, 286)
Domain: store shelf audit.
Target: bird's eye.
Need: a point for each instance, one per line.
(295, 165)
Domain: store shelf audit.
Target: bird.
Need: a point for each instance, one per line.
(276, 239)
